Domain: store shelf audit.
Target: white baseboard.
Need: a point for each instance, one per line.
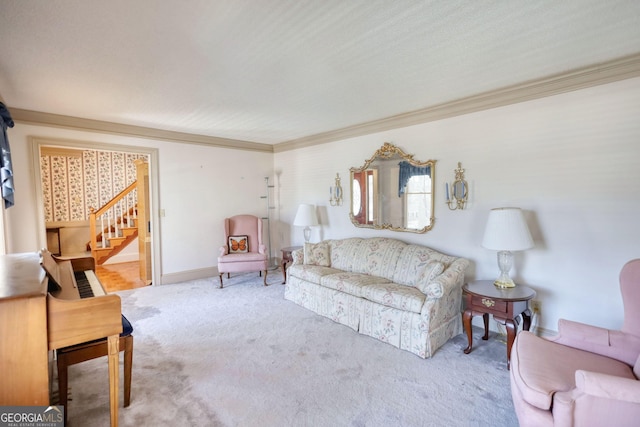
(495, 327)
(544, 333)
(184, 276)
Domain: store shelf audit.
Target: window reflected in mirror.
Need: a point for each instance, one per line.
(393, 191)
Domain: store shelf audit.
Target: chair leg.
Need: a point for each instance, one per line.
(265, 277)
(89, 351)
(128, 363)
(221, 280)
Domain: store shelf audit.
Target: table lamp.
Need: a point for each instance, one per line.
(506, 231)
(306, 217)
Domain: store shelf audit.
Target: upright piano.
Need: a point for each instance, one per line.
(41, 310)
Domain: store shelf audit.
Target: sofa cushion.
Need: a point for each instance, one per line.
(310, 273)
(317, 254)
(393, 295)
(343, 252)
(241, 257)
(431, 270)
(378, 256)
(350, 283)
(412, 263)
(538, 380)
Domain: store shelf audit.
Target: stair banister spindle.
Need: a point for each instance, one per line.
(115, 219)
(128, 213)
(109, 222)
(110, 244)
(102, 230)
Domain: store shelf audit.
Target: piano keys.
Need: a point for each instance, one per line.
(88, 284)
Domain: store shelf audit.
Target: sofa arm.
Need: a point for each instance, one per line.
(262, 249)
(598, 399)
(297, 256)
(223, 250)
(608, 386)
(615, 344)
(450, 278)
(444, 295)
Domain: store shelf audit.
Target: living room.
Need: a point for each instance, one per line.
(567, 159)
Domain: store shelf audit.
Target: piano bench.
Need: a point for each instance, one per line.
(78, 353)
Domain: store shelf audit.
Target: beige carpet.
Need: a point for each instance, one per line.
(244, 356)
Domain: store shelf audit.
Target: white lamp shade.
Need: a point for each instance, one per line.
(306, 216)
(507, 231)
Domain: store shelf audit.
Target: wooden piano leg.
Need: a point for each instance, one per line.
(63, 384)
(113, 344)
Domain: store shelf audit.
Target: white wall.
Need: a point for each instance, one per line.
(569, 161)
(198, 187)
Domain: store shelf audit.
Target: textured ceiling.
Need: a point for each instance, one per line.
(273, 70)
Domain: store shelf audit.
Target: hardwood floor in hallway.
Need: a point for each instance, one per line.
(120, 277)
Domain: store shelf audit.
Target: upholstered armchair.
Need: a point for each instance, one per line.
(243, 249)
(585, 375)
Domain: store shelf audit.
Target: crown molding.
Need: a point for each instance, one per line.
(56, 120)
(607, 72)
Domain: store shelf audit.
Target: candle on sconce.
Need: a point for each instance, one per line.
(446, 187)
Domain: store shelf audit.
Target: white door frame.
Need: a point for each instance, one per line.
(37, 142)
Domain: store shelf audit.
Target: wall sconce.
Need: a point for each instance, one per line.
(459, 190)
(336, 193)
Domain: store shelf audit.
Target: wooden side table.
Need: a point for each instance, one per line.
(287, 258)
(505, 304)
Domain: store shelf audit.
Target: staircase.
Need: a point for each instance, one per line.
(114, 225)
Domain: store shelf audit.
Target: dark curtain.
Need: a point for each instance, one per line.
(6, 168)
(407, 170)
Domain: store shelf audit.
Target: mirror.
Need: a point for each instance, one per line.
(392, 191)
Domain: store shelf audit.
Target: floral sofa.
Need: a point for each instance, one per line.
(406, 295)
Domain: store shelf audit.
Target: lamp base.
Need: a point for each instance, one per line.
(504, 284)
(505, 261)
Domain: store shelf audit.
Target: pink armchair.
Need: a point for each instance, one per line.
(585, 375)
(239, 255)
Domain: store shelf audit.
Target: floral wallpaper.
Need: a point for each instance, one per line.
(71, 185)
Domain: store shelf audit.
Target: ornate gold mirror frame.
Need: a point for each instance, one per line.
(393, 191)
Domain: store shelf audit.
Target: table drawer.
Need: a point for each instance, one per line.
(489, 303)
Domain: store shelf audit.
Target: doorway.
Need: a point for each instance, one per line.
(83, 199)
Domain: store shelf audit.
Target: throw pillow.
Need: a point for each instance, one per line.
(317, 254)
(432, 270)
(238, 244)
